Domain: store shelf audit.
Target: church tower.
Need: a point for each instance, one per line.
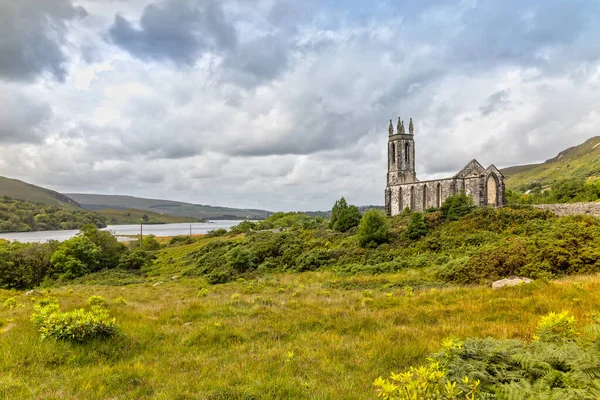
(401, 154)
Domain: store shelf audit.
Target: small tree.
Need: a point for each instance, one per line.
(456, 206)
(343, 216)
(76, 257)
(374, 229)
(349, 218)
(339, 205)
(416, 227)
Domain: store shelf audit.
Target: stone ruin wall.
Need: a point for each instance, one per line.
(428, 194)
(572, 208)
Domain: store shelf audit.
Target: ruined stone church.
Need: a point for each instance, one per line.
(484, 185)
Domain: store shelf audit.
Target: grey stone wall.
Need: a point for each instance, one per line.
(572, 208)
(419, 196)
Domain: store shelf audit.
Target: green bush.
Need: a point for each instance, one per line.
(557, 328)
(417, 227)
(456, 206)
(77, 325)
(137, 260)
(97, 301)
(556, 367)
(343, 216)
(76, 257)
(373, 229)
(214, 233)
(426, 382)
(240, 259)
(11, 303)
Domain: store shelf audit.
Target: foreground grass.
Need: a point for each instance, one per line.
(312, 335)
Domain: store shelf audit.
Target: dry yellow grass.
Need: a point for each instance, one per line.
(284, 336)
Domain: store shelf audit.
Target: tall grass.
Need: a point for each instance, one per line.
(312, 335)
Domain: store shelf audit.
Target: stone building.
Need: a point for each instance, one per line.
(484, 185)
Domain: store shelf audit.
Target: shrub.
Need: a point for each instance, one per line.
(557, 328)
(240, 259)
(149, 243)
(456, 206)
(416, 227)
(243, 227)
(184, 239)
(97, 301)
(311, 260)
(121, 301)
(77, 325)
(137, 260)
(373, 229)
(11, 303)
(427, 382)
(76, 257)
(343, 216)
(215, 233)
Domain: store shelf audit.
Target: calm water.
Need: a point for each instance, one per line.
(158, 230)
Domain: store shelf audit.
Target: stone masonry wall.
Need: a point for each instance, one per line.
(572, 208)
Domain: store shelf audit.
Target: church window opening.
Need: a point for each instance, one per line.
(400, 199)
(412, 198)
(492, 191)
(439, 195)
(407, 153)
(424, 197)
(393, 153)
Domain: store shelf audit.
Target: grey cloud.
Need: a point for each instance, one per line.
(178, 30)
(520, 32)
(257, 61)
(495, 102)
(32, 33)
(22, 118)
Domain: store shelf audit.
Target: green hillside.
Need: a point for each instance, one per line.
(25, 191)
(579, 162)
(133, 216)
(176, 208)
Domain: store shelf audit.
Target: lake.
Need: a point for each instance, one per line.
(121, 230)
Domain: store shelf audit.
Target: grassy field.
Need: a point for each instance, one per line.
(313, 335)
(133, 216)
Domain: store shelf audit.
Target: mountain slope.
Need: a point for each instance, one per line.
(582, 162)
(176, 208)
(27, 192)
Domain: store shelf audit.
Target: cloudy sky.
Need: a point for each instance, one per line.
(284, 104)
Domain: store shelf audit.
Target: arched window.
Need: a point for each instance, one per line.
(492, 191)
(388, 201)
(400, 200)
(412, 198)
(439, 195)
(393, 156)
(424, 197)
(407, 153)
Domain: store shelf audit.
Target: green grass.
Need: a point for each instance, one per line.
(314, 335)
(133, 216)
(580, 162)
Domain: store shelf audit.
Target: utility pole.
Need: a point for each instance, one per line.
(141, 231)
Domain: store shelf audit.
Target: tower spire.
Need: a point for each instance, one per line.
(391, 128)
(399, 126)
(402, 128)
(411, 127)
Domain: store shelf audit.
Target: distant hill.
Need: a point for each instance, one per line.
(133, 216)
(17, 189)
(581, 162)
(97, 202)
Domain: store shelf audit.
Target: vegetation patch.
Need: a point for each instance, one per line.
(77, 325)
